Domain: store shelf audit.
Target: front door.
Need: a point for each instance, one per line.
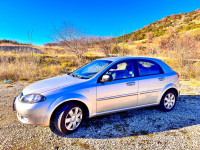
(120, 93)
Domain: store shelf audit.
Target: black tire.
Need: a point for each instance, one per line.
(163, 103)
(62, 114)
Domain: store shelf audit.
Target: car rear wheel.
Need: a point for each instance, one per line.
(168, 101)
(69, 118)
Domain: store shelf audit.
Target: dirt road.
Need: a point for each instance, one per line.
(147, 128)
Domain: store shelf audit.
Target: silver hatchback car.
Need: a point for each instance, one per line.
(103, 86)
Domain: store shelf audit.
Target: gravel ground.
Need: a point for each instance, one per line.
(147, 128)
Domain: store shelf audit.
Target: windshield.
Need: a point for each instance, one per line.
(91, 69)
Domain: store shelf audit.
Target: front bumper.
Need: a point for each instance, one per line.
(14, 109)
(34, 114)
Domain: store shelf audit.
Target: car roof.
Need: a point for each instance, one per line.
(164, 66)
(124, 58)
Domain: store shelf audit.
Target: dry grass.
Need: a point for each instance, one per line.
(31, 67)
(188, 71)
(192, 82)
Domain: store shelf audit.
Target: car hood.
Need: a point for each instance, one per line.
(51, 84)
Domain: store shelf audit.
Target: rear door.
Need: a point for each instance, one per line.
(151, 81)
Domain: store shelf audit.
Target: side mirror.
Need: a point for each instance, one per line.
(106, 78)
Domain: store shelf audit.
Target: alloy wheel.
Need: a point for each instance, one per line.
(169, 100)
(73, 118)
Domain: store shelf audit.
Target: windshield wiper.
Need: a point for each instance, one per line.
(77, 76)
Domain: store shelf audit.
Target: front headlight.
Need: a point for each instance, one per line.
(33, 98)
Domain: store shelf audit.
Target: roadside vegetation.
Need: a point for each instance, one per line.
(178, 46)
(31, 67)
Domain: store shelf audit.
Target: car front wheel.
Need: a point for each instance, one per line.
(69, 118)
(168, 101)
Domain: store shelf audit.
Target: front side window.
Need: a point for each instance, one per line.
(91, 69)
(121, 70)
(147, 67)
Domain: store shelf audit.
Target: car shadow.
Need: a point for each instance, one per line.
(140, 121)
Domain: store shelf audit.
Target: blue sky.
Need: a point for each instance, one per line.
(95, 17)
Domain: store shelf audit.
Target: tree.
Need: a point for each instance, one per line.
(105, 45)
(116, 49)
(170, 42)
(30, 38)
(72, 40)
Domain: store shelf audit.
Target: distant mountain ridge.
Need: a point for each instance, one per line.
(22, 49)
(12, 42)
(181, 22)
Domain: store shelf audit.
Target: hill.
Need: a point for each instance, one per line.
(10, 42)
(179, 22)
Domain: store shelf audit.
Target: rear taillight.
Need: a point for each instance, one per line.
(178, 75)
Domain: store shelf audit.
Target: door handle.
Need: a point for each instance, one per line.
(161, 78)
(130, 83)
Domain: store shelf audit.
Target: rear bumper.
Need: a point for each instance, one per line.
(34, 114)
(179, 93)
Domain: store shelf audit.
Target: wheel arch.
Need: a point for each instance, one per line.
(172, 87)
(84, 106)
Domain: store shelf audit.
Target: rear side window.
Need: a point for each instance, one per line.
(147, 67)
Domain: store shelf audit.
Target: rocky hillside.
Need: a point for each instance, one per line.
(10, 45)
(180, 22)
